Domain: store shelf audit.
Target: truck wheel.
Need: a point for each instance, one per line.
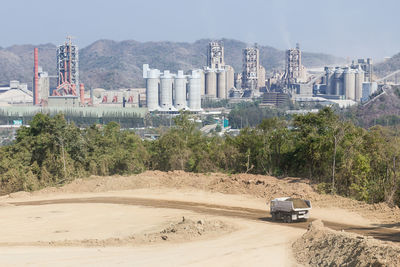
(289, 219)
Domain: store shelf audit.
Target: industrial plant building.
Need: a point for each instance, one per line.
(366, 66)
(217, 77)
(294, 70)
(41, 82)
(15, 93)
(253, 75)
(67, 65)
(221, 81)
(167, 92)
(69, 91)
(350, 83)
(130, 97)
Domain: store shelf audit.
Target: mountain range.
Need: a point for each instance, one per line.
(109, 64)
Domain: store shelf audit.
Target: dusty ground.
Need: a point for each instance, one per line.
(138, 220)
(247, 186)
(102, 225)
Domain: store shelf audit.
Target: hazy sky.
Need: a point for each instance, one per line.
(347, 28)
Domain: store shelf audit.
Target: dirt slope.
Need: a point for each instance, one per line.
(321, 246)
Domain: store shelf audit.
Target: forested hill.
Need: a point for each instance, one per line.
(109, 64)
(384, 68)
(384, 109)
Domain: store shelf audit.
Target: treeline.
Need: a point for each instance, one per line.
(52, 152)
(250, 114)
(336, 155)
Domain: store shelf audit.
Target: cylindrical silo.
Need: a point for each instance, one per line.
(195, 91)
(152, 81)
(221, 82)
(230, 78)
(180, 91)
(349, 83)
(166, 91)
(202, 83)
(329, 81)
(211, 83)
(359, 79)
(338, 77)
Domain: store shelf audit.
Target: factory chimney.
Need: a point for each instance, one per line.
(36, 81)
(82, 93)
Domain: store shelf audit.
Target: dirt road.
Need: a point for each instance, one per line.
(122, 220)
(382, 233)
(56, 233)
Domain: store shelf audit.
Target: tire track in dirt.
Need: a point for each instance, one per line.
(377, 232)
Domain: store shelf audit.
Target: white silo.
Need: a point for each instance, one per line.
(359, 79)
(349, 83)
(202, 83)
(180, 91)
(166, 91)
(338, 89)
(152, 77)
(230, 78)
(211, 83)
(195, 90)
(329, 81)
(221, 84)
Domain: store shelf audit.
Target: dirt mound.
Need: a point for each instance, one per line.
(188, 230)
(321, 246)
(255, 185)
(182, 231)
(19, 194)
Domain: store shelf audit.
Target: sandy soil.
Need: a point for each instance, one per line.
(63, 234)
(321, 246)
(246, 186)
(231, 228)
(25, 225)
(254, 245)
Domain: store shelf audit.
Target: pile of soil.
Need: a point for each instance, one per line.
(181, 231)
(189, 229)
(256, 185)
(260, 186)
(298, 203)
(321, 246)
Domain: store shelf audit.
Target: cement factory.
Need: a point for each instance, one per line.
(215, 81)
(342, 85)
(168, 93)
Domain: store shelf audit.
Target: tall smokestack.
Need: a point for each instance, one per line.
(82, 93)
(36, 72)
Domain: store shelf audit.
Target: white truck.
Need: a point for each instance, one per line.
(290, 209)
